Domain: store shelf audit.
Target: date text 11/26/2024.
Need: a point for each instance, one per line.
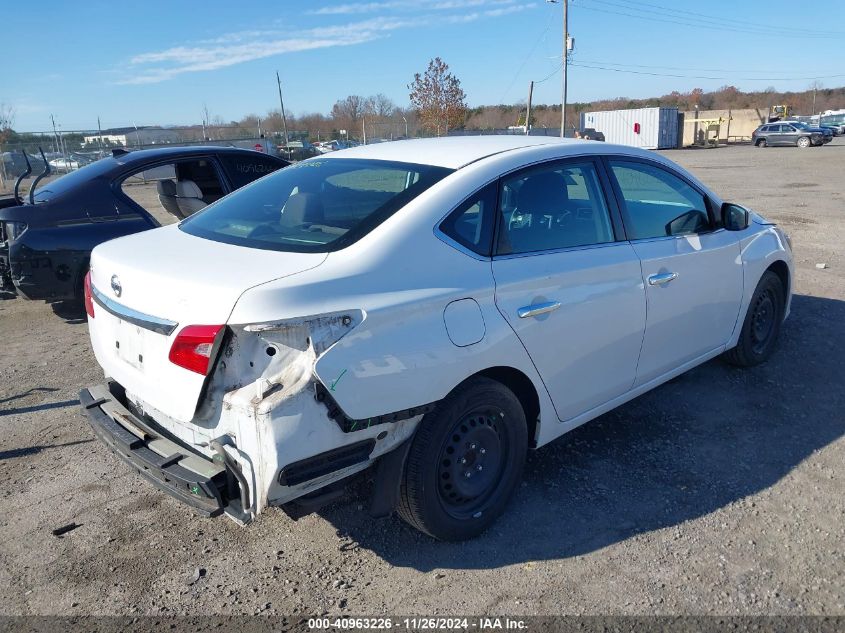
(418, 623)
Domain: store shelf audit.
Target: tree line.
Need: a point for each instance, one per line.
(437, 105)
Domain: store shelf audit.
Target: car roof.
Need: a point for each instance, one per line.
(452, 152)
(144, 155)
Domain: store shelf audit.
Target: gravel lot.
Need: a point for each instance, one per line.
(721, 492)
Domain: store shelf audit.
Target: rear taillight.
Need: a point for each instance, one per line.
(193, 347)
(89, 301)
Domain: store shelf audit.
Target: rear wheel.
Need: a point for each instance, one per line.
(803, 142)
(761, 143)
(465, 461)
(761, 327)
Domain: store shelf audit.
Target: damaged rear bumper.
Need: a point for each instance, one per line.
(195, 480)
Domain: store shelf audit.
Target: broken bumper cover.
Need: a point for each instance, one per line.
(193, 479)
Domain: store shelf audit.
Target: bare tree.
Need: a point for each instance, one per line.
(438, 98)
(7, 120)
(379, 106)
(349, 111)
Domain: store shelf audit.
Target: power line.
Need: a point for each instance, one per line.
(635, 5)
(649, 15)
(653, 74)
(525, 61)
(720, 70)
(552, 74)
(717, 22)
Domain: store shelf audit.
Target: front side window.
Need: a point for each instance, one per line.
(658, 203)
(552, 207)
(174, 191)
(314, 206)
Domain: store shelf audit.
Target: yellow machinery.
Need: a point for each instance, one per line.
(778, 112)
(707, 134)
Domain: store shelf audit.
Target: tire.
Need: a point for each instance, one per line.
(482, 423)
(803, 142)
(761, 327)
(761, 143)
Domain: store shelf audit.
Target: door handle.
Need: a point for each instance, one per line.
(662, 278)
(537, 309)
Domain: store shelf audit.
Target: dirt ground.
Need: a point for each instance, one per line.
(722, 492)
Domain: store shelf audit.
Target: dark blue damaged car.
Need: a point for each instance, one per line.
(46, 238)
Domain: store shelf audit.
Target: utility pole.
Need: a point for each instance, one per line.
(528, 110)
(282, 104)
(565, 61)
(56, 135)
(100, 137)
(566, 47)
(205, 122)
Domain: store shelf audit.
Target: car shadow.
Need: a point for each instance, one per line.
(24, 394)
(39, 407)
(699, 443)
(73, 312)
(34, 450)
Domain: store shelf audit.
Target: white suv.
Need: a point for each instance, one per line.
(432, 307)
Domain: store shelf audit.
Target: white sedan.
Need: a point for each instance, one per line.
(431, 307)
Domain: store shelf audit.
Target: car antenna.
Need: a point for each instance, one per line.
(46, 172)
(18, 182)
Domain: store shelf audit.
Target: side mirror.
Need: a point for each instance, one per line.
(687, 223)
(734, 217)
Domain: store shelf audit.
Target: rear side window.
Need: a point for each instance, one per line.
(173, 191)
(471, 224)
(243, 169)
(658, 203)
(315, 206)
(552, 207)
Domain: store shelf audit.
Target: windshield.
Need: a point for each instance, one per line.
(314, 206)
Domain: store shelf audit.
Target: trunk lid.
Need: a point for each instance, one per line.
(170, 279)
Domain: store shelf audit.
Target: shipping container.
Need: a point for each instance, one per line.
(648, 128)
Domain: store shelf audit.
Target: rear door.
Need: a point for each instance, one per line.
(571, 291)
(692, 270)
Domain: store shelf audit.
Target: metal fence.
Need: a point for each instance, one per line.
(69, 150)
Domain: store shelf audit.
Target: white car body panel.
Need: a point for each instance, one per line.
(586, 350)
(423, 317)
(704, 299)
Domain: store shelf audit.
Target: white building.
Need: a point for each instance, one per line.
(131, 137)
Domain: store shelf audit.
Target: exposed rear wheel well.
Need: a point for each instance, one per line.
(782, 271)
(525, 392)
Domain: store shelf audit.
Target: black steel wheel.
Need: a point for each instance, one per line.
(471, 463)
(465, 461)
(763, 315)
(761, 328)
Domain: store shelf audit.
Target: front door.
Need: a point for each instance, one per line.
(788, 135)
(691, 270)
(572, 293)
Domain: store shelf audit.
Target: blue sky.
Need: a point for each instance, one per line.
(159, 62)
